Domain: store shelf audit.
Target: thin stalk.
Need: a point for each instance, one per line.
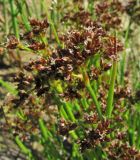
(110, 97)
(123, 64)
(42, 7)
(14, 19)
(52, 27)
(21, 114)
(138, 126)
(35, 9)
(63, 113)
(94, 98)
(92, 93)
(69, 111)
(84, 103)
(111, 90)
(4, 115)
(22, 11)
(77, 106)
(75, 152)
(23, 148)
(15, 25)
(8, 87)
(73, 135)
(27, 8)
(5, 18)
(65, 108)
(44, 131)
(91, 8)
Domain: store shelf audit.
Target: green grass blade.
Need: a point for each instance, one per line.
(35, 8)
(70, 114)
(23, 148)
(45, 132)
(94, 98)
(111, 90)
(123, 60)
(63, 113)
(14, 19)
(52, 26)
(8, 87)
(5, 14)
(92, 94)
(22, 10)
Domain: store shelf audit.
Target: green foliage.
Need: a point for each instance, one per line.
(9, 87)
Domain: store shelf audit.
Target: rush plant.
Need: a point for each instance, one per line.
(71, 102)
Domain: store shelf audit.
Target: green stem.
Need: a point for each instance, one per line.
(14, 19)
(53, 27)
(35, 8)
(84, 103)
(94, 98)
(22, 10)
(123, 64)
(92, 93)
(44, 131)
(10, 88)
(70, 114)
(5, 17)
(63, 112)
(111, 90)
(23, 148)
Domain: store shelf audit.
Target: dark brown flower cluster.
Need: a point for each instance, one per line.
(23, 86)
(91, 119)
(112, 46)
(39, 26)
(122, 93)
(81, 17)
(64, 64)
(37, 46)
(108, 13)
(95, 137)
(38, 29)
(85, 43)
(73, 91)
(95, 72)
(91, 136)
(34, 38)
(122, 151)
(65, 127)
(12, 42)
